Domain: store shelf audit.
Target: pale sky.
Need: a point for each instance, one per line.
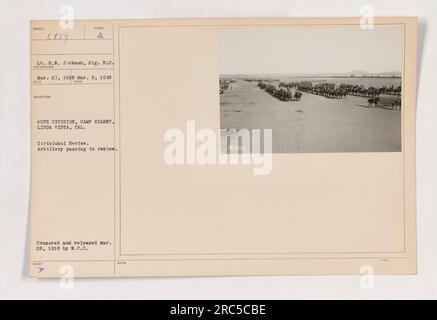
(311, 50)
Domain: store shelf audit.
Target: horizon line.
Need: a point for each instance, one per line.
(396, 73)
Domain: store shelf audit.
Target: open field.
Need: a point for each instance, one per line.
(314, 124)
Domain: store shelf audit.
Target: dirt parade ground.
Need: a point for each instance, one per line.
(315, 123)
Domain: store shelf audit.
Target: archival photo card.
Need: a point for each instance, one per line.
(223, 147)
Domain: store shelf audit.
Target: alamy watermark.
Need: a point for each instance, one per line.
(228, 147)
(367, 278)
(367, 21)
(66, 21)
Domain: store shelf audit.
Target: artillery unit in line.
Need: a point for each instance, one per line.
(280, 92)
(225, 85)
(335, 91)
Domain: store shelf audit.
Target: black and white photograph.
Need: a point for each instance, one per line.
(319, 89)
(218, 159)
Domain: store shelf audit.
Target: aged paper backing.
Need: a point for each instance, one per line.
(127, 213)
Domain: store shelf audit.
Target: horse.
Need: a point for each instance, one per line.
(297, 96)
(396, 104)
(373, 101)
